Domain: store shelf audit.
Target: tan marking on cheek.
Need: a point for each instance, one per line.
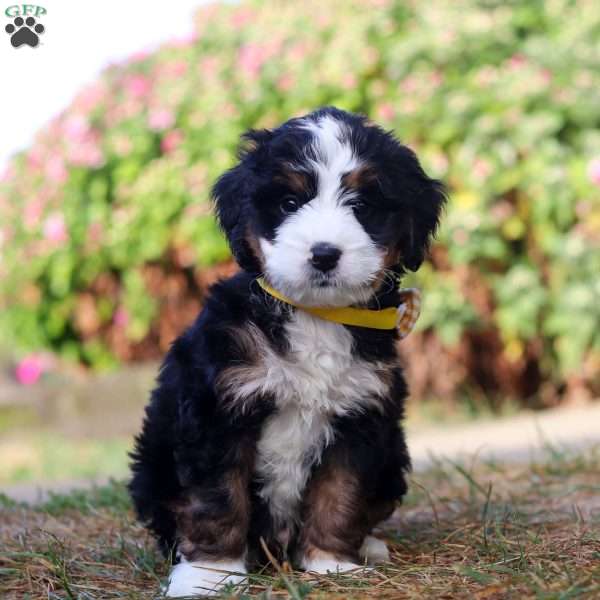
(254, 245)
(390, 259)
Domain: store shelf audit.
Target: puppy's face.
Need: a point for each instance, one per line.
(324, 205)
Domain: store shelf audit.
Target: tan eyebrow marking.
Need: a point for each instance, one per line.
(296, 180)
(359, 177)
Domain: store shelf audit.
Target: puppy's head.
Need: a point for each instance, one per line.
(324, 205)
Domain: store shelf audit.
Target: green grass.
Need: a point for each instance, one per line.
(47, 456)
(483, 530)
(466, 409)
(32, 453)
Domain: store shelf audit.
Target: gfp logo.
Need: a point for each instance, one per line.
(24, 29)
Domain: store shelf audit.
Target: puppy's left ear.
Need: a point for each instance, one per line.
(423, 220)
(232, 195)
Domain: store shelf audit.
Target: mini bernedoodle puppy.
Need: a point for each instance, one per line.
(271, 426)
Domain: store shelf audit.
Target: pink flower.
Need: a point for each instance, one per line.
(55, 229)
(348, 81)
(56, 170)
(184, 41)
(209, 66)
(409, 84)
(439, 162)
(171, 141)
(139, 56)
(386, 111)
(482, 168)
(95, 231)
(137, 86)
(251, 58)
(87, 154)
(35, 157)
(160, 119)
(242, 17)
(437, 77)
(32, 213)
(121, 317)
(129, 107)
(299, 52)
(90, 97)
(30, 369)
(286, 82)
(516, 61)
(546, 75)
(176, 68)
(501, 211)
(8, 173)
(594, 171)
(76, 128)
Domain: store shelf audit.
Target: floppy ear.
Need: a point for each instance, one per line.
(423, 221)
(232, 194)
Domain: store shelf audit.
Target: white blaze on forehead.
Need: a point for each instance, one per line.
(334, 156)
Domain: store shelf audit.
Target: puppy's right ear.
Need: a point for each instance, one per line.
(232, 195)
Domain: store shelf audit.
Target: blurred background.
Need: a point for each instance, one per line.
(108, 244)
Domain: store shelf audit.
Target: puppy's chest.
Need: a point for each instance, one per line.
(318, 379)
(321, 372)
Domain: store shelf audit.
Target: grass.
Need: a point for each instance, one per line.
(487, 531)
(466, 409)
(33, 453)
(47, 456)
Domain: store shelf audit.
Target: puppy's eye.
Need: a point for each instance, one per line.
(289, 204)
(362, 208)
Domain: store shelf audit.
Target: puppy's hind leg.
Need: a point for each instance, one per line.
(374, 551)
(334, 523)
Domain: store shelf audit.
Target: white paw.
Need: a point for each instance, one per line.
(204, 578)
(326, 563)
(374, 551)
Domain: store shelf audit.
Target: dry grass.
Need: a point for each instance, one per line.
(484, 531)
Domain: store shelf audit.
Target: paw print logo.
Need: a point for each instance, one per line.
(24, 31)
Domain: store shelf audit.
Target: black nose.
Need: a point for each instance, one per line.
(325, 256)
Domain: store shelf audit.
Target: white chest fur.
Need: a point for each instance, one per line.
(318, 379)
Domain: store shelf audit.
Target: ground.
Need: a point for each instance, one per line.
(475, 529)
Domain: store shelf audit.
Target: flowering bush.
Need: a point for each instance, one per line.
(105, 223)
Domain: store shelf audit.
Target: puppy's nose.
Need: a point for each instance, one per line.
(325, 256)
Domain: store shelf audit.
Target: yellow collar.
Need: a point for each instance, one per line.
(402, 317)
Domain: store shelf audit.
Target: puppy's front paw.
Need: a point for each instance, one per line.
(374, 551)
(204, 578)
(323, 563)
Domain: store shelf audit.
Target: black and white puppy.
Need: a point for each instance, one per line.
(268, 422)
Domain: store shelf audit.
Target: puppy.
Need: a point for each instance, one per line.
(271, 426)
